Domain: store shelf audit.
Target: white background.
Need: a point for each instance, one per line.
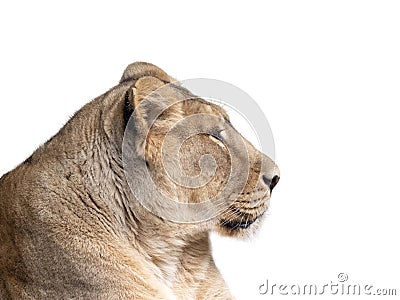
(326, 74)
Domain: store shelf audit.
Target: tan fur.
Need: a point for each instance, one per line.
(71, 229)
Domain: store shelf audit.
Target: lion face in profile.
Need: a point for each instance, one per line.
(192, 153)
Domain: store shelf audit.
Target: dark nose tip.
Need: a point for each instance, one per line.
(271, 183)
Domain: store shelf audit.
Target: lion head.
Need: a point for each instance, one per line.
(184, 160)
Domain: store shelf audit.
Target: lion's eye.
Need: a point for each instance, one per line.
(217, 135)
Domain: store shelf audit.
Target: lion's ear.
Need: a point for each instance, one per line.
(146, 78)
(143, 88)
(138, 70)
(147, 99)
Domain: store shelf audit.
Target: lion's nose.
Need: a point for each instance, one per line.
(271, 182)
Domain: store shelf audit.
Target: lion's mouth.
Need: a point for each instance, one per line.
(242, 224)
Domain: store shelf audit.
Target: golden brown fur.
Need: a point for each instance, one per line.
(71, 229)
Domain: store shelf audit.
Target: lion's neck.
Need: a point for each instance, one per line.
(172, 254)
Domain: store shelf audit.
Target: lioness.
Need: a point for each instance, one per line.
(72, 228)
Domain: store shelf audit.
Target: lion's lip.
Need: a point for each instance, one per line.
(233, 225)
